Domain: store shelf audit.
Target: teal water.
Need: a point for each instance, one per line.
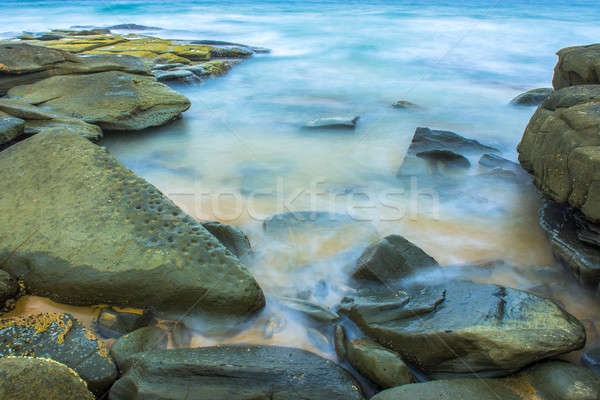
(240, 148)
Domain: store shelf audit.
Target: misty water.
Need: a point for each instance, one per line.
(240, 154)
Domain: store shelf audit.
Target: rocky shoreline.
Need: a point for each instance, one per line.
(82, 229)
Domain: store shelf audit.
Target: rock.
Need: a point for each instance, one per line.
(134, 27)
(273, 325)
(380, 365)
(138, 341)
(591, 359)
(231, 237)
(493, 161)
(42, 36)
(587, 232)
(445, 159)
(332, 123)
(339, 342)
(40, 379)
(561, 148)
(233, 372)
(99, 234)
(181, 336)
(426, 139)
(8, 287)
(390, 259)
(230, 52)
(578, 65)
(61, 338)
(282, 223)
(406, 105)
(309, 309)
(222, 43)
(113, 100)
(441, 331)
(174, 75)
(582, 259)
(544, 381)
(532, 97)
(11, 128)
(113, 324)
(209, 68)
(26, 64)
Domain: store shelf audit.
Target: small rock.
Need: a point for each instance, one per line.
(406, 105)
(181, 336)
(493, 161)
(231, 237)
(113, 324)
(339, 342)
(143, 339)
(390, 259)
(134, 27)
(448, 160)
(40, 379)
(309, 309)
(532, 97)
(174, 75)
(379, 364)
(332, 123)
(426, 139)
(8, 287)
(591, 359)
(61, 338)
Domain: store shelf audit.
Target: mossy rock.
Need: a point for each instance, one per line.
(234, 372)
(62, 338)
(78, 45)
(40, 379)
(85, 230)
(577, 65)
(443, 332)
(162, 46)
(561, 148)
(112, 100)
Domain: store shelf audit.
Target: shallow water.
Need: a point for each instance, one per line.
(240, 154)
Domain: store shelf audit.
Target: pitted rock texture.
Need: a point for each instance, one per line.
(83, 229)
(112, 100)
(61, 338)
(561, 148)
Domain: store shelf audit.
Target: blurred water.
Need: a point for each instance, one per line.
(461, 62)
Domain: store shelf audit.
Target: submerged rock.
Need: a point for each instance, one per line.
(134, 27)
(282, 223)
(113, 323)
(231, 237)
(445, 159)
(61, 338)
(406, 105)
(577, 65)
(85, 230)
(332, 123)
(443, 332)
(493, 161)
(532, 97)
(309, 309)
(551, 380)
(234, 372)
(426, 139)
(138, 341)
(583, 259)
(591, 359)
(40, 379)
(561, 148)
(113, 100)
(390, 259)
(379, 364)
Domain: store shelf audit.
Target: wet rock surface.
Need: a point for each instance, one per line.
(332, 123)
(551, 380)
(11, 128)
(426, 139)
(443, 332)
(138, 341)
(231, 237)
(40, 379)
(532, 97)
(233, 372)
(113, 324)
(99, 234)
(61, 338)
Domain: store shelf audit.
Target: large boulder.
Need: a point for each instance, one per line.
(62, 338)
(83, 229)
(113, 100)
(233, 372)
(39, 379)
(465, 329)
(561, 148)
(390, 259)
(553, 380)
(577, 65)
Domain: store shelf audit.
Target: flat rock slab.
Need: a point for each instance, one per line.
(40, 379)
(465, 329)
(235, 373)
(113, 100)
(561, 148)
(551, 380)
(332, 123)
(61, 338)
(83, 229)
